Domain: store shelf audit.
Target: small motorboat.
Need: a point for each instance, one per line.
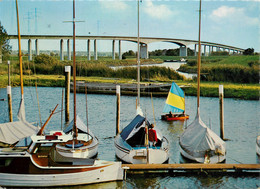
(35, 166)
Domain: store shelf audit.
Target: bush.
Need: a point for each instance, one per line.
(45, 59)
(231, 73)
(192, 62)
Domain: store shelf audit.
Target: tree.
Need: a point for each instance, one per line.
(128, 53)
(249, 51)
(5, 48)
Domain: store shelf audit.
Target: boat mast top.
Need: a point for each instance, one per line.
(20, 51)
(199, 62)
(138, 57)
(74, 74)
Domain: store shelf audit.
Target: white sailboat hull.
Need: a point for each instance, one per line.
(113, 172)
(155, 156)
(258, 145)
(88, 151)
(139, 155)
(213, 159)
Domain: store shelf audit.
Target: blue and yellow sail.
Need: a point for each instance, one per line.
(175, 101)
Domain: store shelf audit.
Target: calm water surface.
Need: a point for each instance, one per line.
(241, 119)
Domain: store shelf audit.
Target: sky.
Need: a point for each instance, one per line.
(228, 22)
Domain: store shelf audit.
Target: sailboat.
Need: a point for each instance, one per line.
(131, 144)
(198, 142)
(85, 147)
(84, 143)
(35, 165)
(175, 105)
(12, 132)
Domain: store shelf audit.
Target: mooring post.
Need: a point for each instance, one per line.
(67, 93)
(118, 109)
(221, 111)
(9, 94)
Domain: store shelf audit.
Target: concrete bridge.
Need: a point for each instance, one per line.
(144, 41)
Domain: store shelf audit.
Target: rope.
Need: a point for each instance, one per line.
(235, 160)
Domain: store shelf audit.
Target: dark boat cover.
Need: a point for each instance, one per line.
(133, 127)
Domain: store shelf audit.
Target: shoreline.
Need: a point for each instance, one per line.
(158, 88)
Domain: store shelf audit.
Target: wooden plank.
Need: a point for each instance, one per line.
(191, 166)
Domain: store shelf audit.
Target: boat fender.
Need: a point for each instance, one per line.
(57, 133)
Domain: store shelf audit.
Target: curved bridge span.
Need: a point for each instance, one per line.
(183, 43)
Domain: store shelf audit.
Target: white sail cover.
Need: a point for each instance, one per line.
(12, 132)
(198, 138)
(80, 126)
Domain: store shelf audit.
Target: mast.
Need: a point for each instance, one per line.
(138, 58)
(74, 74)
(20, 51)
(199, 62)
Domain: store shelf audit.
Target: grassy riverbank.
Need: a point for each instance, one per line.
(208, 89)
(48, 71)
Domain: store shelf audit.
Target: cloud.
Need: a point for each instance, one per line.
(156, 11)
(113, 4)
(233, 15)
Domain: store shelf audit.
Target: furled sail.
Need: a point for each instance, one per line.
(175, 101)
(12, 132)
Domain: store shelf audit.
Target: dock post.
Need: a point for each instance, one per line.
(118, 109)
(221, 111)
(67, 93)
(9, 94)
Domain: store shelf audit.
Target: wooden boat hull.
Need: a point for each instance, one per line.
(33, 172)
(139, 155)
(177, 118)
(46, 180)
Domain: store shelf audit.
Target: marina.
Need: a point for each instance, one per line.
(241, 128)
(134, 145)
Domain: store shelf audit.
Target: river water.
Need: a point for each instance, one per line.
(241, 119)
(172, 65)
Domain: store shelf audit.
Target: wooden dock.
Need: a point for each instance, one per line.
(193, 167)
(157, 89)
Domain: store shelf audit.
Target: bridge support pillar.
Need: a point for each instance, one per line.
(183, 51)
(95, 50)
(30, 50)
(209, 50)
(205, 50)
(61, 50)
(144, 50)
(37, 51)
(195, 50)
(119, 50)
(113, 50)
(88, 49)
(68, 50)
